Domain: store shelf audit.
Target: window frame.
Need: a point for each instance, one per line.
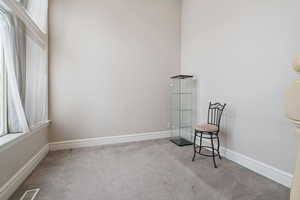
(33, 29)
(36, 34)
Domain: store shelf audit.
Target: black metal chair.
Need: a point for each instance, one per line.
(210, 131)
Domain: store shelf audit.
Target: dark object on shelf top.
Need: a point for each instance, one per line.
(181, 76)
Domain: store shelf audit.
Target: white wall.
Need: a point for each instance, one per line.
(17, 155)
(241, 53)
(110, 63)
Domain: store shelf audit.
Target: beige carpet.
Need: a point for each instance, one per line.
(153, 170)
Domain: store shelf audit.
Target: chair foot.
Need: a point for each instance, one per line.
(194, 147)
(220, 156)
(219, 148)
(215, 165)
(213, 151)
(194, 156)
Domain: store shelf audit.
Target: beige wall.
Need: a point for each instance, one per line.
(17, 155)
(110, 61)
(241, 53)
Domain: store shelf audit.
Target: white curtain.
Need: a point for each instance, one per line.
(36, 95)
(26, 67)
(3, 97)
(36, 98)
(16, 119)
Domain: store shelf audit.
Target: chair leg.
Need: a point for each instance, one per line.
(219, 147)
(200, 148)
(194, 146)
(213, 150)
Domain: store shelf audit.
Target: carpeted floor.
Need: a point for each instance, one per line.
(152, 170)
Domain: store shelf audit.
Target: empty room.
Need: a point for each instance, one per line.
(149, 100)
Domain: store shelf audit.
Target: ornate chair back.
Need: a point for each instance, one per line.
(215, 111)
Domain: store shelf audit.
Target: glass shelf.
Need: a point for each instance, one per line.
(182, 109)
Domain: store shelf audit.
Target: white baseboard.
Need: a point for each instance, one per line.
(72, 144)
(14, 182)
(259, 167)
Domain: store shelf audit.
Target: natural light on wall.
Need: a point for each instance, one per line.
(23, 65)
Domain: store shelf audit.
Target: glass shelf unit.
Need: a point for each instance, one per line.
(182, 109)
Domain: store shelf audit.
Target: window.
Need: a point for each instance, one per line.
(23, 65)
(37, 10)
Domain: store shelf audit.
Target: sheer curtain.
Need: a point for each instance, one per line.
(3, 98)
(36, 98)
(16, 119)
(25, 68)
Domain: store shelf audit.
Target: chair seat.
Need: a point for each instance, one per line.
(207, 128)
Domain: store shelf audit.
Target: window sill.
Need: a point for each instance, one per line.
(8, 140)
